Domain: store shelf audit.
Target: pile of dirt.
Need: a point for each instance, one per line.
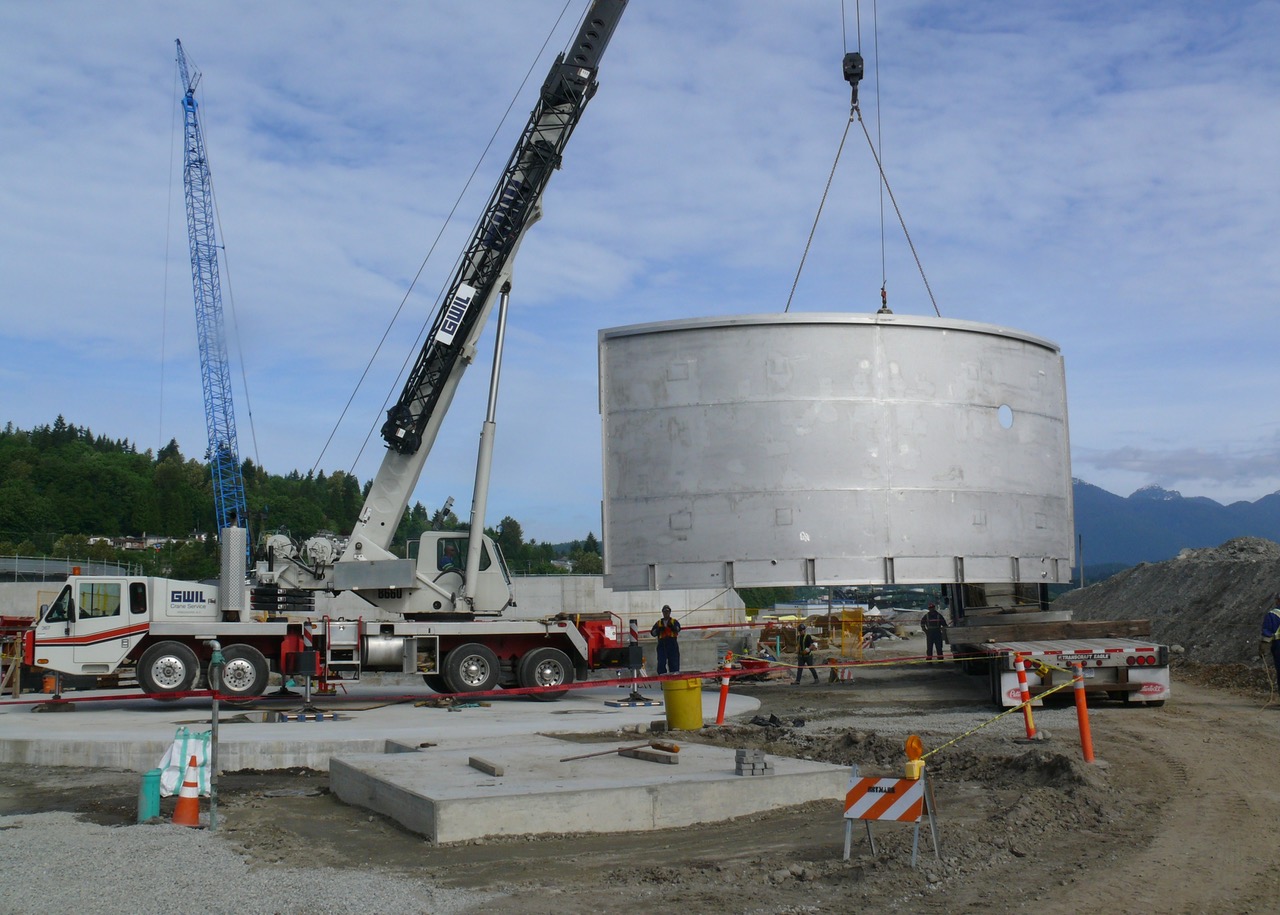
(1206, 604)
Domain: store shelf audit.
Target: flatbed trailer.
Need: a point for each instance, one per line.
(1131, 670)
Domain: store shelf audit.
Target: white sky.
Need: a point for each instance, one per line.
(1102, 175)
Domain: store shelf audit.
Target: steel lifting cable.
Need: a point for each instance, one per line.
(168, 238)
(235, 322)
(814, 228)
(896, 209)
(856, 112)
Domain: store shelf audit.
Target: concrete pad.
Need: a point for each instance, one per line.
(107, 730)
(436, 793)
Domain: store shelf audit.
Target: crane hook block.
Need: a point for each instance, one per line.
(853, 69)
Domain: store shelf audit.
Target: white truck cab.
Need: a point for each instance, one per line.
(94, 623)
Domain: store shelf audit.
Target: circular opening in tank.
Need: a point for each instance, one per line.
(1005, 415)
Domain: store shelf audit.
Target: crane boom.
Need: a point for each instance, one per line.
(215, 372)
(486, 264)
(434, 585)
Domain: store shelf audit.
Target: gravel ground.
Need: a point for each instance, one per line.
(162, 869)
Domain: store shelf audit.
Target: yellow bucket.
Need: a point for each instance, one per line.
(683, 699)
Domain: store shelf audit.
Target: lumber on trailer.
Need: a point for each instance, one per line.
(1062, 629)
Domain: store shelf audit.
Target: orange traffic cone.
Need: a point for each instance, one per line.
(187, 813)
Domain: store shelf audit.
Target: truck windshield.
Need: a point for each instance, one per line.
(61, 609)
(502, 564)
(451, 553)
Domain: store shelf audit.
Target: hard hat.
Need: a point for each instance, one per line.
(801, 626)
(933, 606)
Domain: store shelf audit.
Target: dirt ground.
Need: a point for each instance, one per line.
(1179, 816)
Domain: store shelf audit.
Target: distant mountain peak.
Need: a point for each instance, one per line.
(1156, 493)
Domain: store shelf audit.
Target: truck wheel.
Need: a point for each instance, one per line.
(436, 682)
(166, 668)
(471, 668)
(545, 667)
(245, 673)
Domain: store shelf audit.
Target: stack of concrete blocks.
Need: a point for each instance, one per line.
(751, 762)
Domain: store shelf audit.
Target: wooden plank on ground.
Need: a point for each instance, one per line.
(484, 765)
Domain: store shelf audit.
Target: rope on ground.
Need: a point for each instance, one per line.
(1017, 708)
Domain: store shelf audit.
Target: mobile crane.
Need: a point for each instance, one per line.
(438, 615)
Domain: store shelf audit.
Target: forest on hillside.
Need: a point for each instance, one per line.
(62, 486)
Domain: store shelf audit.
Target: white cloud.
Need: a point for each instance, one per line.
(1099, 175)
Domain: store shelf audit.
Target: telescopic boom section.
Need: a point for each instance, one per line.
(215, 372)
(413, 422)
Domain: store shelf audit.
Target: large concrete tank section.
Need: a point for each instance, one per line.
(825, 449)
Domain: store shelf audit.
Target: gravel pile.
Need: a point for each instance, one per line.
(63, 864)
(1208, 603)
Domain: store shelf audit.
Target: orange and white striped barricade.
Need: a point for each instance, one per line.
(900, 800)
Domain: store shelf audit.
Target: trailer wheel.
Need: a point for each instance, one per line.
(245, 673)
(545, 667)
(166, 668)
(471, 668)
(436, 682)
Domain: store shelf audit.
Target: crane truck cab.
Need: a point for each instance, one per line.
(96, 623)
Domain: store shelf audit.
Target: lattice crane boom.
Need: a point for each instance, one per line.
(215, 372)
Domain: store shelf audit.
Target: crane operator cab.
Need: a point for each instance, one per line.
(442, 560)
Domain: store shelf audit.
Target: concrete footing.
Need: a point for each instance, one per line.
(437, 793)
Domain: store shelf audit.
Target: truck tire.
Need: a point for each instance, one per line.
(245, 673)
(545, 667)
(436, 682)
(471, 668)
(167, 668)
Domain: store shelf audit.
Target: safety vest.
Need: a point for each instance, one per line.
(933, 622)
(1271, 625)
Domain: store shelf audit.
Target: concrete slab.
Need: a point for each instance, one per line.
(106, 731)
(437, 793)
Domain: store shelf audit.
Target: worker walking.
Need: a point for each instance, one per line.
(934, 626)
(666, 631)
(1271, 634)
(805, 646)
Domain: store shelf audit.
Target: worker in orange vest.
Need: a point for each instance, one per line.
(666, 631)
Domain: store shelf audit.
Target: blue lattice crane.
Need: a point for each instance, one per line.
(215, 372)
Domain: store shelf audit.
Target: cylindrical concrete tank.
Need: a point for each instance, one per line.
(825, 449)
